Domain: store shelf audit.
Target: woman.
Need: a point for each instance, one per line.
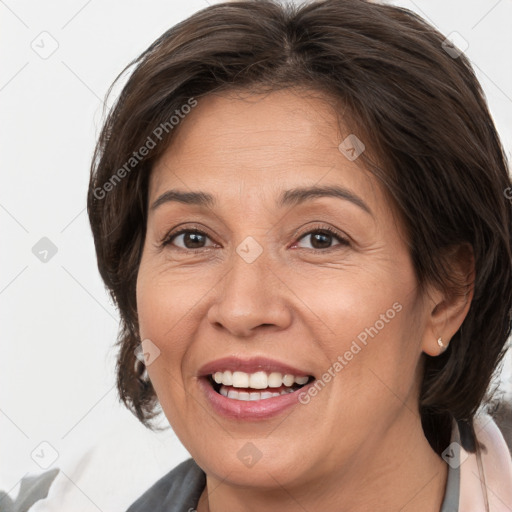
(300, 213)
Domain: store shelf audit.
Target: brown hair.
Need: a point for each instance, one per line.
(421, 113)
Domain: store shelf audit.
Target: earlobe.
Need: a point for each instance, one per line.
(449, 308)
(445, 320)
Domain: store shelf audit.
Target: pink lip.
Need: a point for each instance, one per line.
(251, 365)
(250, 410)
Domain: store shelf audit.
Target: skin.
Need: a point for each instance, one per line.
(356, 446)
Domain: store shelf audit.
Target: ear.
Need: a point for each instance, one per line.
(447, 309)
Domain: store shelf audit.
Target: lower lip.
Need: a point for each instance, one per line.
(253, 409)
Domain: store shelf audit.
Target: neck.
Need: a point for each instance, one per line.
(401, 472)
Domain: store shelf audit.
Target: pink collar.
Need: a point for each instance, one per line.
(486, 476)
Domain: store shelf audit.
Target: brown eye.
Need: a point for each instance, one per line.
(188, 239)
(323, 238)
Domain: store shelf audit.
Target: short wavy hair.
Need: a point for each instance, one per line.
(418, 107)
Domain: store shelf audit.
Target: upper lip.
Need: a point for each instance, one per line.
(250, 365)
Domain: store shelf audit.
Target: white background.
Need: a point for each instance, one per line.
(58, 326)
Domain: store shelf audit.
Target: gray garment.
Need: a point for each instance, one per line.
(180, 489)
(452, 493)
(177, 491)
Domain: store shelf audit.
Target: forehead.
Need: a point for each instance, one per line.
(261, 143)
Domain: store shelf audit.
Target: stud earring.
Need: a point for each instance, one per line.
(440, 342)
(141, 372)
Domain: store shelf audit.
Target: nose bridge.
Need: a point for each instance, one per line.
(249, 295)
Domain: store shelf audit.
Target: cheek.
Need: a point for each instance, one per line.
(161, 311)
(371, 375)
(164, 310)
(371, 325)
(357, 302)
(171, 307)
(167, 301)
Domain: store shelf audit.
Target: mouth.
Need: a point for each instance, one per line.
(256, 386)
(252, 389)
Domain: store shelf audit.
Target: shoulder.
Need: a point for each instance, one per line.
(178, 490)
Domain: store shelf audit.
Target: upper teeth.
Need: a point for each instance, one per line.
(258, 380)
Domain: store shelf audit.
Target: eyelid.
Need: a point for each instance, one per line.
(185, 228)
(342, 238)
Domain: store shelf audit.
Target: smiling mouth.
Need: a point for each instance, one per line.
(257, 386)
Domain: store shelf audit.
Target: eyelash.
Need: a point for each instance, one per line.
(344, 242)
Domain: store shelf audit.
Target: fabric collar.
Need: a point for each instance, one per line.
(485, 476)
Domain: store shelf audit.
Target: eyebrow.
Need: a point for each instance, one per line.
(300, 195)
(194, 198)
(288, 197)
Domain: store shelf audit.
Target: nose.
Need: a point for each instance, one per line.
(250, 297)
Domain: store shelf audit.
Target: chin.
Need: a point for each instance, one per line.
(255, 463)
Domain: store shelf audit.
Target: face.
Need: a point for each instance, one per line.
(270, 278)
